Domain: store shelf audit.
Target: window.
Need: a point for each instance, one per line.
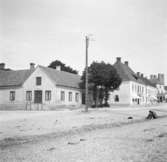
(77, 97)
(47, 95)
(70, 96)
(138, 88)
(12, 95)
(135, 88)
(116, 98)
(28, 95)
(38, 80)
(62, 96)
(132, 87)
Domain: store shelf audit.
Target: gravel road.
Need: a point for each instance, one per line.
(137, 142)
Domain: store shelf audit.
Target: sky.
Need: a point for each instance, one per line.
(42, 31)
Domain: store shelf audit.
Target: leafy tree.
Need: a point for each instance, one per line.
(102, 79)
(63, 67)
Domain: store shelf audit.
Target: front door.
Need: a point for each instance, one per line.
(138, 101)
(37, 96)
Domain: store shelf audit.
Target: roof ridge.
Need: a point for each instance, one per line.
(126, 73)
(59, 71)
(10, 71)
(62, 78)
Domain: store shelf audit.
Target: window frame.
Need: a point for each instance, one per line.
(28, 95)
(48, 95)
(12, 96)
(70, 96)
(62, 95)
(38, 81)
(76, 97)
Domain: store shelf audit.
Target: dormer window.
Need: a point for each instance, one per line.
(38, 80)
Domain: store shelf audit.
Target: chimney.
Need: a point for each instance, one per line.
(161, 79)
(2, 66)
(58, 68)
(126, 63)
(118, 59)
(142, 75)
(151, 76)
(32, 66)
(138, 74)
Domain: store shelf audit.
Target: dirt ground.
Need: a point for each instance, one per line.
(73, 136)
(19, 124)
(137, 142)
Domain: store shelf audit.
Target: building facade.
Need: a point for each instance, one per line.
(39, 88)
(159, 81)
(135, 89)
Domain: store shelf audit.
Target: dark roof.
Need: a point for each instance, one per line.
(13, 78)
(165, 88)
(127, 74)
(62, 78)
(155, 81)
(148, 82)
(17, 78)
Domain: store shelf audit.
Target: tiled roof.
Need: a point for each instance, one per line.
(127, 74)
(155, 81)
(17, 78)
(62, 78)
(148, 82)
(13, 78)
(165, 88)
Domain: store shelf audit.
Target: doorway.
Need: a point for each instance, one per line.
(138, 101)
(38, 96)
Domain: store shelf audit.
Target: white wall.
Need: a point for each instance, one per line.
(47, 84)
(5, 96)
(66, 91)
(161, 89)
(150, 93)
(133, 90)
(138, 91)
(123, 92)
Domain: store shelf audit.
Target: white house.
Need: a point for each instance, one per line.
(38, 88)
(135, 89)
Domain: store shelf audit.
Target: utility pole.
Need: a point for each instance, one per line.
(86, 74)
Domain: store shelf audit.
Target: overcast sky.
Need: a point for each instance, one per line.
(41, 31)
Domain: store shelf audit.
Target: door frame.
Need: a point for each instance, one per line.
(38, 96)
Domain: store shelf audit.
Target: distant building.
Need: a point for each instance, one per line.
(38, 88)
(159, 81)
(135, 89)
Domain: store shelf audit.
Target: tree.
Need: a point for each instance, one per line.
(102, 79)
(56, 63)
